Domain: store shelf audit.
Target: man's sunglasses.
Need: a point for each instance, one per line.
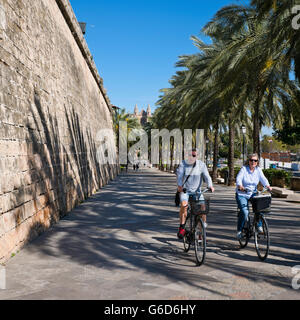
(193, 155)
(253, 160)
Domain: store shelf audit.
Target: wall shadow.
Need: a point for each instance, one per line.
(64, 172)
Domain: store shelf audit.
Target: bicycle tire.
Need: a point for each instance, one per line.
(188, 234)
(245, 239)
(246, 235)
(200, 243)
(262, 241)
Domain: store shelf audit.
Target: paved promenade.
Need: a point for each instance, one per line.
(121, 244)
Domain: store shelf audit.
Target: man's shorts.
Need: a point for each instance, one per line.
(185, 196)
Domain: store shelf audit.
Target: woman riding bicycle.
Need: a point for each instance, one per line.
(246, 187)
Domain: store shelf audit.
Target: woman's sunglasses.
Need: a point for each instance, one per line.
(253, 160)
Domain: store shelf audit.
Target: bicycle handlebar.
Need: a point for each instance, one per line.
(204, 191)
(259, 192)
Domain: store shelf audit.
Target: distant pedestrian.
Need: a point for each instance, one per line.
(133, 167)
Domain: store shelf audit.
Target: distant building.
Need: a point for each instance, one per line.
(279, 156)
(143, 117)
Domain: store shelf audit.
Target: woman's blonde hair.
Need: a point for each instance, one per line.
(249, 157)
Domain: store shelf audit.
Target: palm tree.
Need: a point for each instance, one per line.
(198, 94)
(260, 71)
(279, 15)
(132, 124)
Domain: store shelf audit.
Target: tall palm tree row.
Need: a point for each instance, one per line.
(245, 73)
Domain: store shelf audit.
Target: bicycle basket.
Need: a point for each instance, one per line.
(260, 203)
(201, 207)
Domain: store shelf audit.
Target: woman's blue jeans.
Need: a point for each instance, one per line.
(244, 211)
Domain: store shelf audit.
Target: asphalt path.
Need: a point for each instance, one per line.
(121, 244)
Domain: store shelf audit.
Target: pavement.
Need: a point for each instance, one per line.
(121, 245)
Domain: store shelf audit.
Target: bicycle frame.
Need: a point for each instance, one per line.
(250, 229)
(190, 210)
(195, 232)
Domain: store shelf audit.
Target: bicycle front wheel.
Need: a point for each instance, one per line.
(245, 237)
(262, 239)
(200, 241)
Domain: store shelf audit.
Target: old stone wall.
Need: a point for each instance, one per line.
(52, 104)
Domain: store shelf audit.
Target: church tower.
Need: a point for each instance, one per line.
(148, 111)
(136, 110)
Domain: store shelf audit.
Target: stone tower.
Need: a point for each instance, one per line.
(149, 111)
(143, 116)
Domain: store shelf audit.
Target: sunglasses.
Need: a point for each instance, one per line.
(253, 160)
(193, 155)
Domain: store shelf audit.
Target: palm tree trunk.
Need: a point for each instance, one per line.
(231, 179)
(216, 151)
(172, 155)
(256, 127)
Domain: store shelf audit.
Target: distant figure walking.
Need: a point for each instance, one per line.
(134, 167)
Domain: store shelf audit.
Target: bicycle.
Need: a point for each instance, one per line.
(194, 226)
(261, 204)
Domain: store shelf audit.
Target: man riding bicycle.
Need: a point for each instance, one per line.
(189, 177)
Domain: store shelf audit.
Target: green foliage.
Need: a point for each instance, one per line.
(278, 174)
(244, 73)
(289, 134)
(271, 144)
(225, 169)
(223, 152)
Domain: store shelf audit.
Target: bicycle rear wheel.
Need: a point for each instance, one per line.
(262, 240)
(200, 241)
(188, 234)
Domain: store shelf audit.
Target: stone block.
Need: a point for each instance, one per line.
(293, 197)
(295, 183)
(220, 180)
(281, 192)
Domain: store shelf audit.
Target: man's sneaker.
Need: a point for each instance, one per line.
(260, 230)
(181, 233)
(239, 235)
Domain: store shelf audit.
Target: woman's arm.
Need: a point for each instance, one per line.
(207, 178)
(239, 179)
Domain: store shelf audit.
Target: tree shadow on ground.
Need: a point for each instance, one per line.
(117, 230)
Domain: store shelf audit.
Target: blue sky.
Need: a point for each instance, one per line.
(135, 44)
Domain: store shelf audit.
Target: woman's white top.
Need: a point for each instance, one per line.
(250, 180)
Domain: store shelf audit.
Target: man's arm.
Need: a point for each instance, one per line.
(180, 175)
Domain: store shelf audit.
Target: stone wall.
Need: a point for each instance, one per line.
(52, 104)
